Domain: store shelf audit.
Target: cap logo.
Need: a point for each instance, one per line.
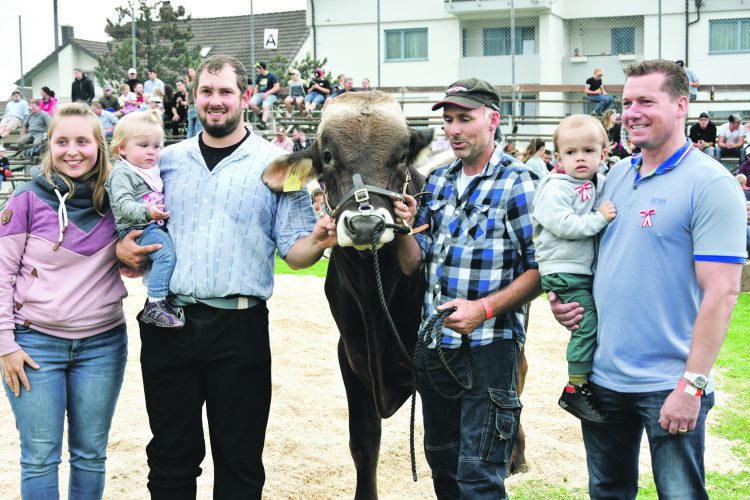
(456, 88)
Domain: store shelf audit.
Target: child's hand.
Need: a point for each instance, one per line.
(608, 210)
(156, 212)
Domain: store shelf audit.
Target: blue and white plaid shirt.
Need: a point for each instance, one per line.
(479, 243)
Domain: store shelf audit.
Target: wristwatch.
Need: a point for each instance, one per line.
(696, 379)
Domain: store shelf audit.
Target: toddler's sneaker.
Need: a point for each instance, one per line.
(579, 401)
(161, 314)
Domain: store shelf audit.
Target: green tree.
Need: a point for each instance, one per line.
(163, 36)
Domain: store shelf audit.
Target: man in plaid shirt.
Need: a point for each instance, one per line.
(479, 259)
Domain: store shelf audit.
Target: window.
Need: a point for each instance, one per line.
(496, 41)
(406, 44)
(728, 35)
(623, 41)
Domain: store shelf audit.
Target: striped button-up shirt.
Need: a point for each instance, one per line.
(477, 243)
(225, 223)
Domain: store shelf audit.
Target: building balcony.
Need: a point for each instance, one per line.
(473, 7)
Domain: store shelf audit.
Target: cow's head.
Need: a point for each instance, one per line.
(362, 135)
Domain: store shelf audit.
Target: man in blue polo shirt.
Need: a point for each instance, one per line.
(665, 286)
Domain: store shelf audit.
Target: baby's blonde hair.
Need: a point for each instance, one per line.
(136, 124)
(576, 121)
(742, 179)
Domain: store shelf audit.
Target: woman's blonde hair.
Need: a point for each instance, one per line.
(534, 146)
(136, 124)
(98, 175)
(608, 120)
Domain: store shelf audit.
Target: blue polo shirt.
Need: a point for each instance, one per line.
(647, 295)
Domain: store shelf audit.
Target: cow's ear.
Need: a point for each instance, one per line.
(419, 140)
(291, 172)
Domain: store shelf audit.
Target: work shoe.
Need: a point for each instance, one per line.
(579, 402)
(161, 314)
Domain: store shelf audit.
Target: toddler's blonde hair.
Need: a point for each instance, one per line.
(136, 124)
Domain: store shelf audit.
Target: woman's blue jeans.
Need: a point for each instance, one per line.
(83, 378)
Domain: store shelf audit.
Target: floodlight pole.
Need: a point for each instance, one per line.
(132, 34)
(20, 53)
(252, 42)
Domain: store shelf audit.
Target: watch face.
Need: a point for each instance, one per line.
(700, 382)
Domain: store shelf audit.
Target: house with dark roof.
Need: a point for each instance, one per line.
(214, 35)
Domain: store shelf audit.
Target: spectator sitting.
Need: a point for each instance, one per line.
(703, 134)
(140, 96)
(744, 168)
(534, 159)
(297, 93)
(548, 160)
(48, 102)
(132, 79)
(109, 101)
(126, 101)
(106, 118)
(731, 139)
(348, 87)
(15, 111)
(366, 85)
(339, 85)
(34, 125)
(301, 142)
(170, 117)
(319, 90)
(595, 92)
(155, 102)
(613, 125)
(265, 93)
(82, 88)
(180, 109)
(4, 167)
(742, 181)
(153, 83)
(282, 140)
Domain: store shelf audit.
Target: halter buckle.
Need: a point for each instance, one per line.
(361, 195)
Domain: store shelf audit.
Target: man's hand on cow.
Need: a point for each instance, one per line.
(324, 232)
(469, 314)
(568, 315)
(406, 210)
(131, 253)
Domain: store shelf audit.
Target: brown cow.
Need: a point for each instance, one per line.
(362, 155)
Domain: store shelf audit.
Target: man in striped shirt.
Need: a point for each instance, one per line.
(226, 226)
(479, 259)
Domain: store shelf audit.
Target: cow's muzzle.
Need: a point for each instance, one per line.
(358, 228)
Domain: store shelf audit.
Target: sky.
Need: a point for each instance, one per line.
(88, 17)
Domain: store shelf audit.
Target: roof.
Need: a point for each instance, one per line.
(90, 47)
(225, 35)
(231, 35)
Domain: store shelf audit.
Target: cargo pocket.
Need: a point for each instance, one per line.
(501, 426)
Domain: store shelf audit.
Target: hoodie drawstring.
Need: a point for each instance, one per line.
(62, 217)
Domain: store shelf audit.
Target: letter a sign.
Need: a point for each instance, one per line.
(271, 39)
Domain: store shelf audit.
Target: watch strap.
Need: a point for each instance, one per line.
(487, 309)
(684, 386)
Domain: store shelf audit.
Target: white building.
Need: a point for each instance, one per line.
(420, 44)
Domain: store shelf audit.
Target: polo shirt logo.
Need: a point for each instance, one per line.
(660, 202)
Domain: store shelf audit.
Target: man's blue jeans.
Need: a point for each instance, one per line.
(604, 102)
(80, 377)
(163, 260)
(612, 451)
(194, 124)
(468, 441)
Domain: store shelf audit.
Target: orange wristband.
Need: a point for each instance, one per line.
(684, 386)
(487, 308)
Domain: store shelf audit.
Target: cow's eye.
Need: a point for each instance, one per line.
(403, 159)
(327, 157)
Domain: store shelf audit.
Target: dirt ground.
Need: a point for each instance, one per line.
(307, 454)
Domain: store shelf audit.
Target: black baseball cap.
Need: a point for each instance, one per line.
(703, 115)
(470, 93)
